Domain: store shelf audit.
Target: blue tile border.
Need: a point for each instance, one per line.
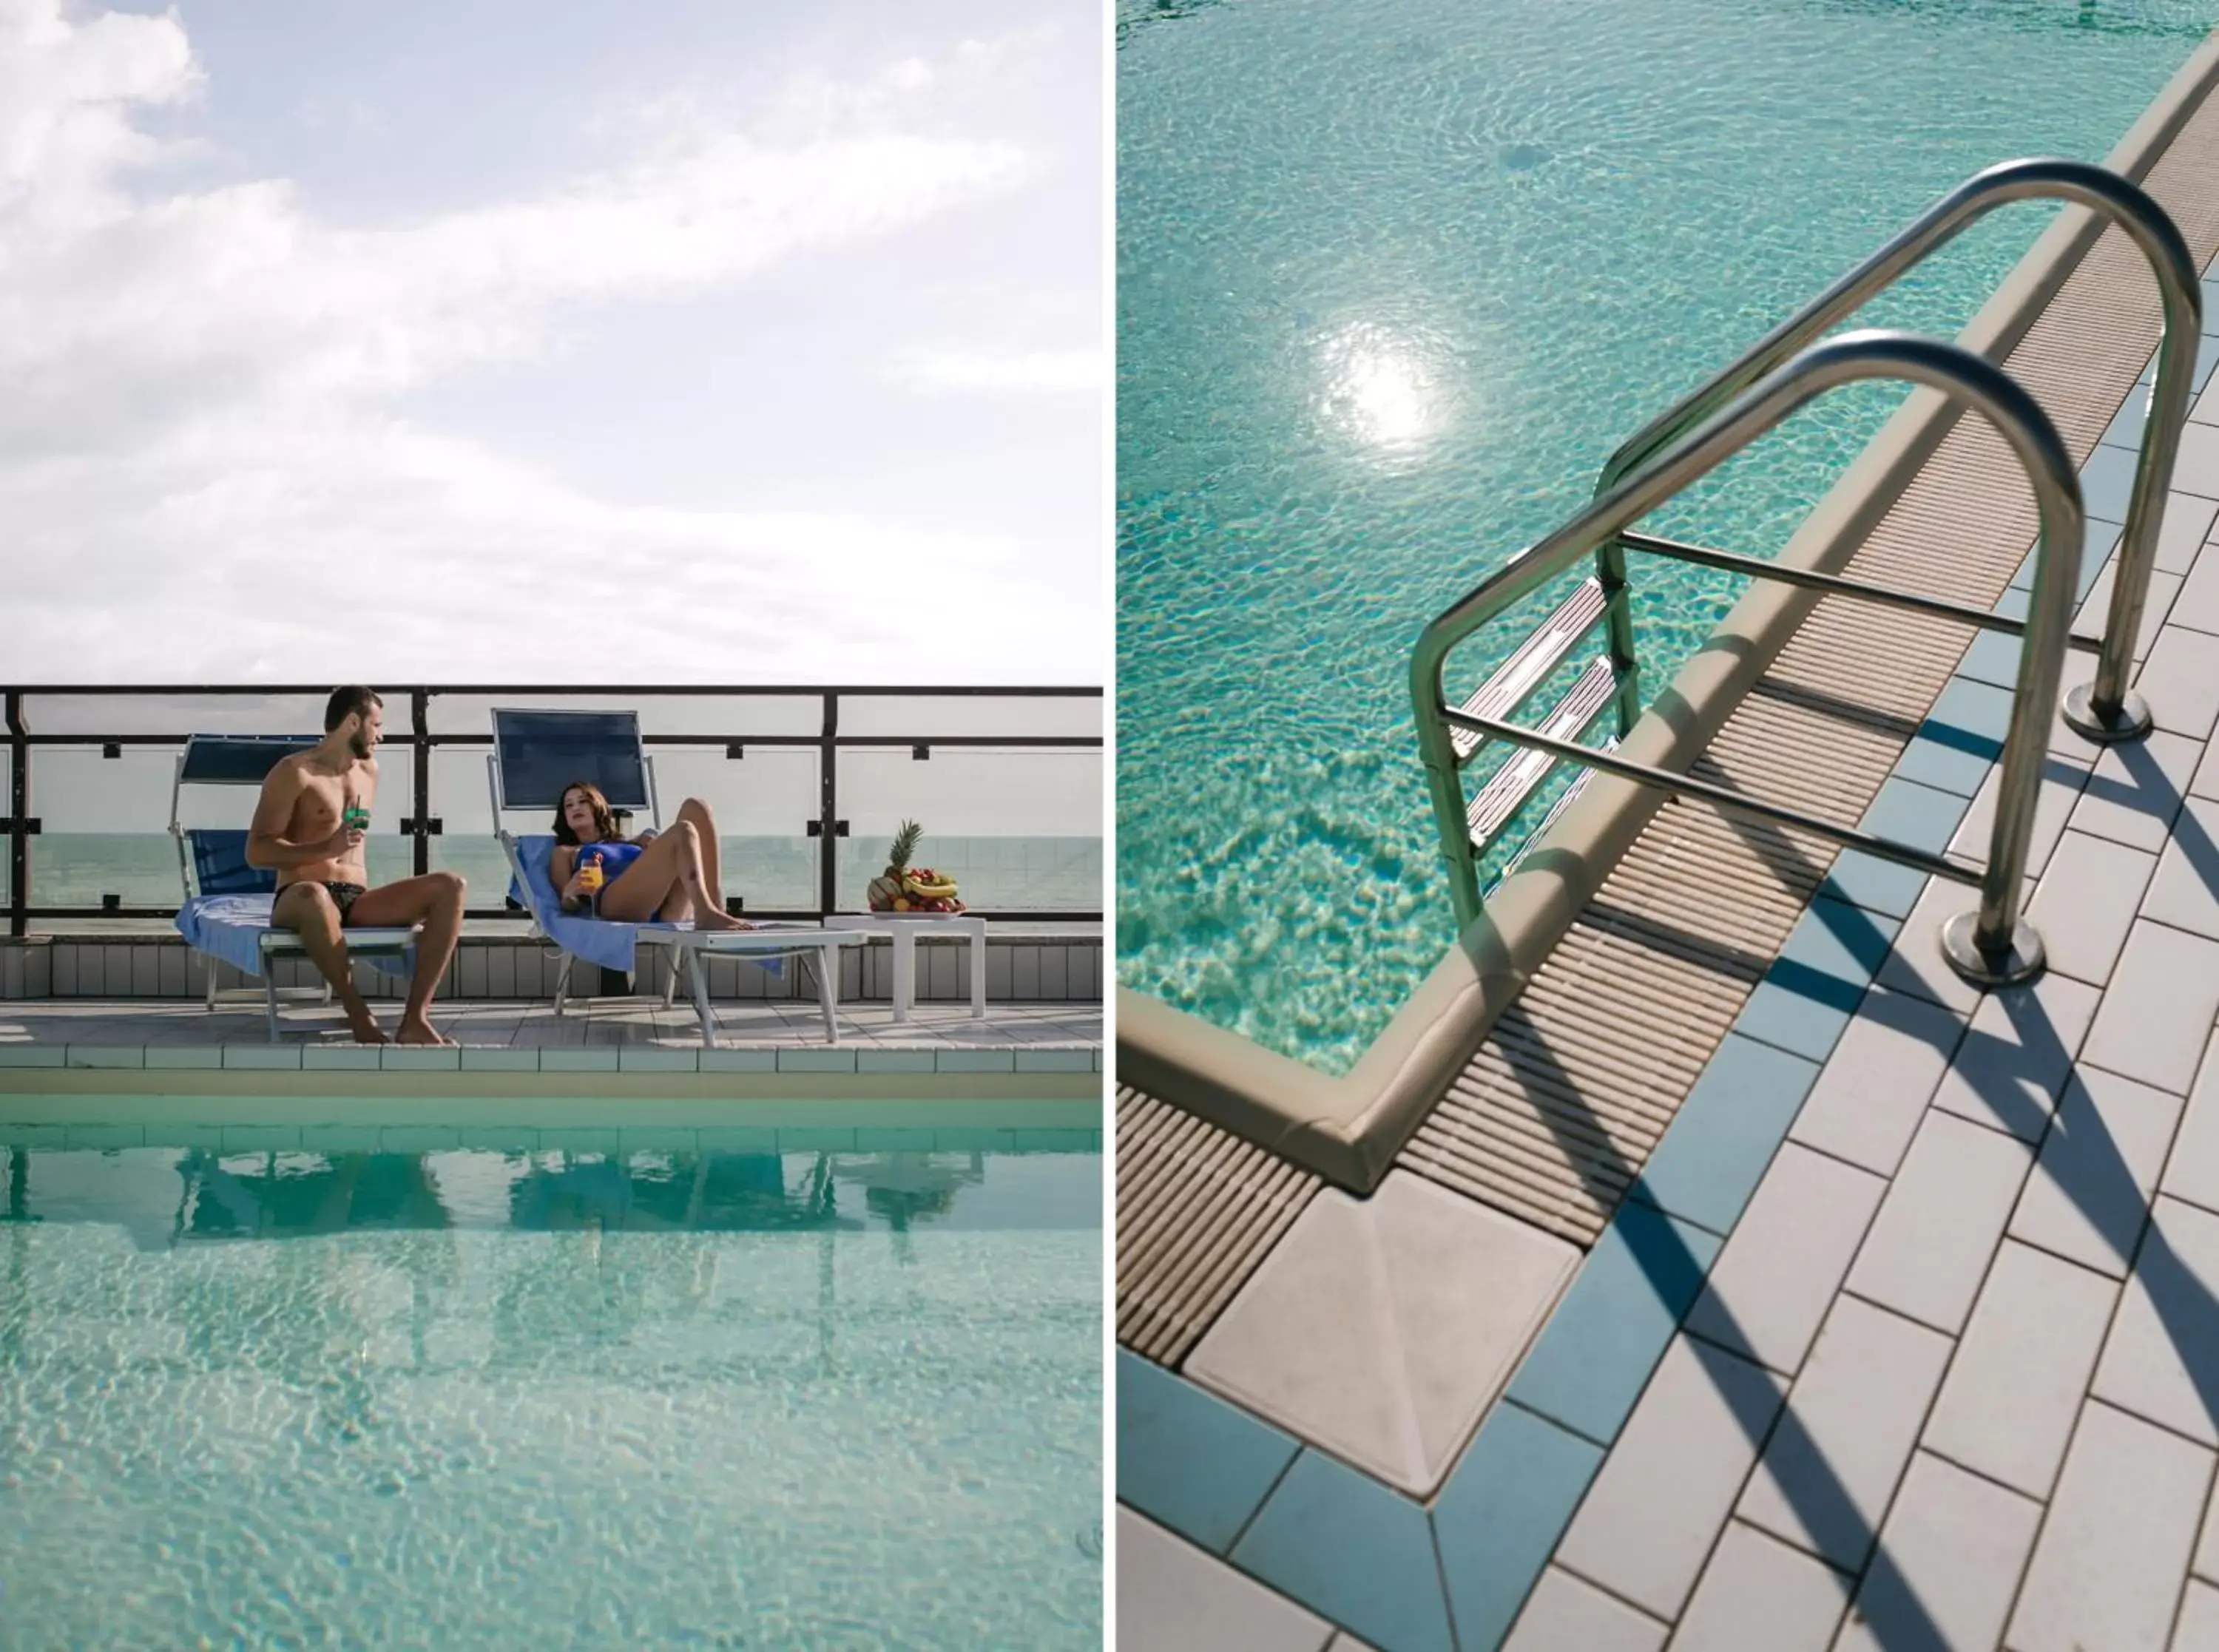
(1351, 1550)
(1909, 813)
(1190, 1461)
(1993, 657)
(1812, 988)
(2108, 478)
(2103, 537)
(1594, 1355)
(2127, 425)
(1960, 739)
(1500, 1517)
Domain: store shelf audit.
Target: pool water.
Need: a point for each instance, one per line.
(547, 1399)
(1395, 277)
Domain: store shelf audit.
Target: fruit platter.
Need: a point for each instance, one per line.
(905, 887)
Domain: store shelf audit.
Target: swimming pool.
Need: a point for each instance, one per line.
(1395, 278)
(775, 1395)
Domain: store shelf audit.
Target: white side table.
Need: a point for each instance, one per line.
(904, 928)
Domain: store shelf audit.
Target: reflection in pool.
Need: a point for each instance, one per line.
(776, 1398)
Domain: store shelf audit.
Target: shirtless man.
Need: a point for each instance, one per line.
(300, 833)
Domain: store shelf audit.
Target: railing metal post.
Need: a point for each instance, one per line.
(1438, 751)
(419, 723)
(1618, 613)
(1993, 945)
(19, 822)
(828, 809)
(2107, 711)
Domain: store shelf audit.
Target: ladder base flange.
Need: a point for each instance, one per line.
(2023, 961)
(2132, 723)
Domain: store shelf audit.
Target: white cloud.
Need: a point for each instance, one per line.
(202, 473)
(1004, 371)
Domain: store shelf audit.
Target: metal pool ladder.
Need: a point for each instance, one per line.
(1993, 945)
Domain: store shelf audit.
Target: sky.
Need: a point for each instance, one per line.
(677, 341)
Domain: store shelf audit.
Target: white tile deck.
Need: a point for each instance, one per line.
(2022, 1369)
(2005, 1432)
(1769, 1288)
(1566, 1615)
(1663, 1496)
(2112, 1559)
(1171, 1597)
(599, 1024)
(1759, 1594)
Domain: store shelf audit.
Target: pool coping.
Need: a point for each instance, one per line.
(1349, 1128)
(725, 1120)
(626, 1086)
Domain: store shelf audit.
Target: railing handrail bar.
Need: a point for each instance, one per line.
(707, 691)
(2180, 289)
(2083, 182)
(1948, 367)
(851, 741)
(1684, 785)
(1757, 568)
(501, 914)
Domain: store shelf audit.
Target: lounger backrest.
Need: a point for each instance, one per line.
(218, 855)
(538, 754)
(219, 865)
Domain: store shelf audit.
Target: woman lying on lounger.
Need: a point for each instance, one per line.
(665, 877)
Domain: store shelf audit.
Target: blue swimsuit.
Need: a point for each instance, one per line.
(613, 857)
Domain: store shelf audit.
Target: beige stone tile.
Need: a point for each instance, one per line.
(1381, 1328)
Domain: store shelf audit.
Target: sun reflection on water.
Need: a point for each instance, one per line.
(1385, 388)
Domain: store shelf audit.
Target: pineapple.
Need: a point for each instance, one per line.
(886, 894)
(905, 888)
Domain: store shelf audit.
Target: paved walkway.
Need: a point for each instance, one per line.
(1956, 1366)
(607, 1034)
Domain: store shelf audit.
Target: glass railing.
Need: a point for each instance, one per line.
(807, 786)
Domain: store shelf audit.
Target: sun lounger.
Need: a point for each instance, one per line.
(537, 755)
(226, 915)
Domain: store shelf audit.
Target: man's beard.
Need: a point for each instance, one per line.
(360, 745)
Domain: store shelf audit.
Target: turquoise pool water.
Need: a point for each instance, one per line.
(1395, 277)
(544, 1398)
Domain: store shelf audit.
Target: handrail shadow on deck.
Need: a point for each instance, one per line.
(2091, 1173)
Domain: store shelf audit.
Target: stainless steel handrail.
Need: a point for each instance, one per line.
(1992, 946)
(2107, 709)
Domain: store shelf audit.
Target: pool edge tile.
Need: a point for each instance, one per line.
(1502, 1515)
(1705, 1168)
(1355, 1552)
(1587, 1368)
(1189, 1461)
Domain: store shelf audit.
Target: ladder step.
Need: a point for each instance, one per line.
(1570, 796)
(1500, 798)
(1527, 669)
